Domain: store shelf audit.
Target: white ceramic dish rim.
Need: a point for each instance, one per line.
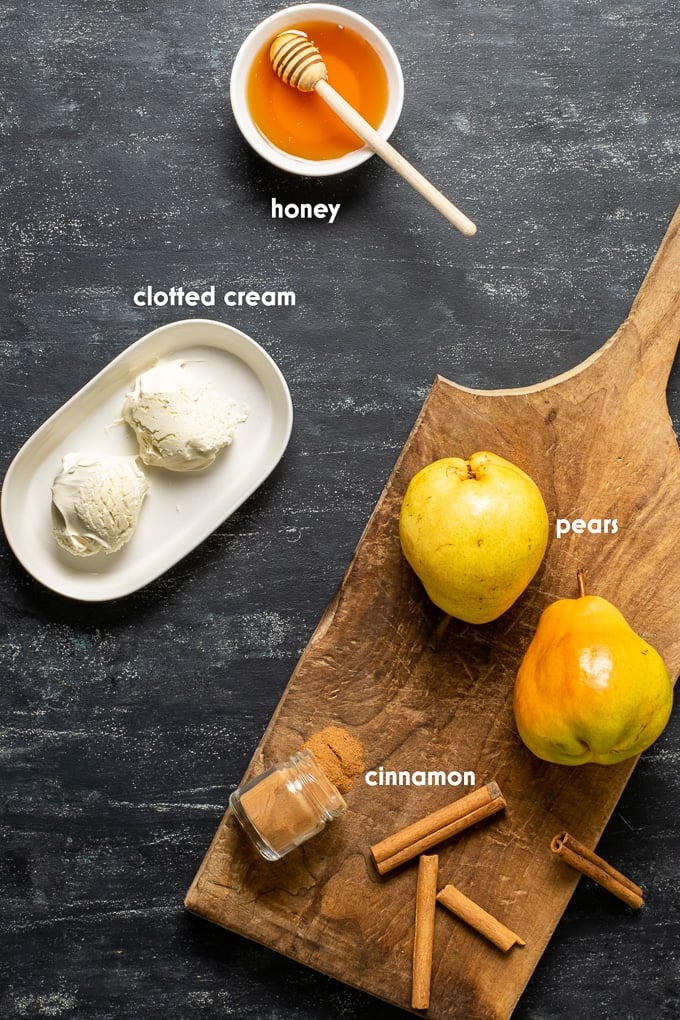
(269, 28)
(25, 501)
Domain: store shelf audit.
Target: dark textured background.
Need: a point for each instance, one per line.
(123, 727)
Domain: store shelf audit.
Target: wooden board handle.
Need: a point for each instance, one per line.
(655, 311)
(651, 331)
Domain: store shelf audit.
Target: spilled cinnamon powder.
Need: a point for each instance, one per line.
(339, 754)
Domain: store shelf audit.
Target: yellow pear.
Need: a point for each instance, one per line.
(475, 532)
(589, 689)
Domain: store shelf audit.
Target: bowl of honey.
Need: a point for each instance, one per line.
(296, 131)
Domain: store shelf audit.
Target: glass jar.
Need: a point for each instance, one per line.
(286, 805)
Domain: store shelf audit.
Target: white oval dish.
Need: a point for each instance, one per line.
(265, 32)
(180, 510)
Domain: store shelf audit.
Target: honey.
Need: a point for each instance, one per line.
(300, 123)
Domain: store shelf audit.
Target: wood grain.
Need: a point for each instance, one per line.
(599, 442)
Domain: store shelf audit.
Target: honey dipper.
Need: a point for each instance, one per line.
(298, 63)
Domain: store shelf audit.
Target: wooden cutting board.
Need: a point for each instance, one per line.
(600, 444)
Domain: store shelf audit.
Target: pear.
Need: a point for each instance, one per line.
(589, 689)
(475, 532)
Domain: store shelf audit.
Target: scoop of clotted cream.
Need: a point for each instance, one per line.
(96, 502)
(181, 423)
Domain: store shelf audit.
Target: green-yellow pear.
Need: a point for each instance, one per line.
(475, 532)
(589, 689)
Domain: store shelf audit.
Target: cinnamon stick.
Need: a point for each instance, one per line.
(422, 835)
(588, 863)
(423, 942)
(484, 923)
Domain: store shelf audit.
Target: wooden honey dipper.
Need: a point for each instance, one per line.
(299, 64)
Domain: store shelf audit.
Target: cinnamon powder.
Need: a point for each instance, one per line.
(277, 812)
(339, 754)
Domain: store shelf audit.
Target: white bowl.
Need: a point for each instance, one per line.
(267, 31)
(179, 512)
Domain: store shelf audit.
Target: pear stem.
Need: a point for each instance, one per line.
(581, 580)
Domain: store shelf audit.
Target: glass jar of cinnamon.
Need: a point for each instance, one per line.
(286, 805)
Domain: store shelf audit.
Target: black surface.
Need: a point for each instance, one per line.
(123, 727)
